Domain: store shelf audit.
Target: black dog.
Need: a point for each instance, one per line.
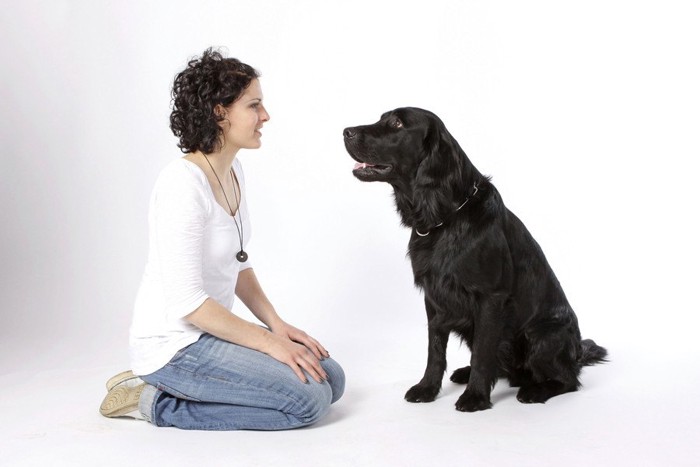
(483, 275)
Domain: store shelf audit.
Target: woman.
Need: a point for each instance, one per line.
(199, 365)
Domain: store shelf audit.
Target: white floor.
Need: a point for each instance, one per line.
(638, 409)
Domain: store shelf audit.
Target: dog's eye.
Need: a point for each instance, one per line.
(396, 123)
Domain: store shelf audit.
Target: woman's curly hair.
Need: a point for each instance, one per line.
(208, 81)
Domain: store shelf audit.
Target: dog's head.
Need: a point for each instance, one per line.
(394, 147)
(411, 149)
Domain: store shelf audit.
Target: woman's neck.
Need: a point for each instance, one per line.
(220, 161)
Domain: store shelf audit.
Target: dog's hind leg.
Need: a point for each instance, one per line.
(551, 361)
(461, 375)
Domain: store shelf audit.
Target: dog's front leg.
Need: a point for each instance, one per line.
(429, 387)
(488, 330)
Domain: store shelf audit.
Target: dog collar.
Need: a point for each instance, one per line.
(421, 234)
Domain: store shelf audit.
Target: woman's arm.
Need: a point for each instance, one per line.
(216, 320)
(250, 292)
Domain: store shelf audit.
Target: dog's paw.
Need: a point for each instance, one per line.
(539, 393)
(461, 376)
(471, 402)
(420, 393)
(532, 395)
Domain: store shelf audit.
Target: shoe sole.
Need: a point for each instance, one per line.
(120, 378)
(121, 400)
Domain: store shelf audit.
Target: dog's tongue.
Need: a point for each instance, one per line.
(362, 165)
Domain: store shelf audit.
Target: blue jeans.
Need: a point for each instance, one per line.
(216, 385)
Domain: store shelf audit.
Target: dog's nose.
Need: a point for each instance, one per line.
(349, 133)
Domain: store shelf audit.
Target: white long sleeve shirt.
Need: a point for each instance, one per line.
(192, 246)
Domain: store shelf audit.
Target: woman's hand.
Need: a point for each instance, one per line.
(283, 329)
(295, 355)
(285, 343)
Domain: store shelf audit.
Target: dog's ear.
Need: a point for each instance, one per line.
(436, 178)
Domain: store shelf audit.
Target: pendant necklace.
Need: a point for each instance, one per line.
(241, 256)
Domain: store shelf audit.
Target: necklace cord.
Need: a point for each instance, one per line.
(242, 256)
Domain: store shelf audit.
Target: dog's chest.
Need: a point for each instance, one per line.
(435, 261)
(439, 270)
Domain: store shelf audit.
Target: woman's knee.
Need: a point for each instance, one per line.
(336, 378)
(314, 402)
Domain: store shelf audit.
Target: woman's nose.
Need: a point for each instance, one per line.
(264, 116)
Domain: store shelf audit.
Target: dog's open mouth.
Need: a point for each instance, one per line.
(365, 169)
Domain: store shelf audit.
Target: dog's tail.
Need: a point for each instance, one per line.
(591, 353)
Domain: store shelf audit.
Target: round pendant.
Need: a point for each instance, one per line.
(242, 256)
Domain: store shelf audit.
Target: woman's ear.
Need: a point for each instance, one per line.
(432, 191)
(222, 118)
(220, 111)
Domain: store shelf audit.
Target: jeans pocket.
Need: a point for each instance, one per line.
(175, 393)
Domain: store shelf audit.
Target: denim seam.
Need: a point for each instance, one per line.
(298, 423)
(207, 377)
(253, 386)
(197, 376)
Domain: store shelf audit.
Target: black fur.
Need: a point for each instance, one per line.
(483, 275)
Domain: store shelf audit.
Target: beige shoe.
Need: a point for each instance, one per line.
(121, 400)
(120, 378)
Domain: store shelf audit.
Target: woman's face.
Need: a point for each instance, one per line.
(244, 119)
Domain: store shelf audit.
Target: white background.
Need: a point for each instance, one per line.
(585, 114)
